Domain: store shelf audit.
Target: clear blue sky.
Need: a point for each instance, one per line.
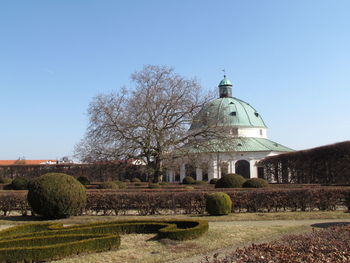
(289, 59)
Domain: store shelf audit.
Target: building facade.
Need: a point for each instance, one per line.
(242, 142)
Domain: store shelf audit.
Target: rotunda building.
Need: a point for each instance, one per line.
(241, 141)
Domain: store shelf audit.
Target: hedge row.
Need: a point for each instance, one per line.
(327, 245)
(37, 242)
(115, 203)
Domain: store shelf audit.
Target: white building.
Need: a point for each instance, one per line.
(238, 152)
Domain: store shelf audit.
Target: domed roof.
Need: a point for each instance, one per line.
(225, 82)
(227, 111)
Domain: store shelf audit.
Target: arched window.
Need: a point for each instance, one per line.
(243, 168)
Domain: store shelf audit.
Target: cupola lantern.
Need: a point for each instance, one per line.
(225, 88)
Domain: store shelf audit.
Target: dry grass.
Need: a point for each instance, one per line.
(224, 232)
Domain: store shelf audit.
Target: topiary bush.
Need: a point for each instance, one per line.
(213, 181)
(83, 180)
(136, 180)
(108, 185)
(230, 181)
(188, 180)
(255, 183)
(121, 185)
(218, 204)
(56, 195)
(20, 183)
(200, 182)
(5, 180)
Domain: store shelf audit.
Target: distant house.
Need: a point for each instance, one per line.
(26, 162)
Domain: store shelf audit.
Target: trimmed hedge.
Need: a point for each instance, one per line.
(108, 185)
(56, 195)
(43, 241)
(218, 204)
(188, 180)
(230, 181)
(20, 183)
(255, 183)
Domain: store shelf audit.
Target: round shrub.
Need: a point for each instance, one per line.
(230, 181)
(56, 195)
(20, 183)
(126, 181)
(136, 180)
(108, 185)
(189, 187)
(255, 183)
(218, 204)
(120, 184)
(154, 185)
(83, 180)
(213, 181)
(188, 180)
(5, 180)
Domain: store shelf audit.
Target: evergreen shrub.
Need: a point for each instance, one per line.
(213, 181)
(108, 185)
(5, 180)
(230, 181)
(44, 241)
(218, 204)
(20, 183)
(200, 182)
(121, 185)
(83, 180)
(56, 195)
(136, 180)
(188, 180)
(255, 183)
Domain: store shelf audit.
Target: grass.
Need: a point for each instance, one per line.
(225, 232)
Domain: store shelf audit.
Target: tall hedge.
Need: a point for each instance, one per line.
(56, 195)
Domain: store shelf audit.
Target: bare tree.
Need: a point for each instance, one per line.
(148, 122)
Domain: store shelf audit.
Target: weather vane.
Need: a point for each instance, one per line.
(224, 73)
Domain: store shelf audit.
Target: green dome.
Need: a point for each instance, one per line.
(225, 82)
(228, 111)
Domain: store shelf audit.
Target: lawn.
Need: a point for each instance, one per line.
(225, 232)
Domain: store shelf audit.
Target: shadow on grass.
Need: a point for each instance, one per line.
(330, 224)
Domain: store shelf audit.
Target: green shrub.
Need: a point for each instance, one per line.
(120, 184)
(108, 185)
(126, 181)
(44, 241)
(189, 187)
(188, 180)
(56, 195)
(5, 180)
(20, 183)
(213, 181)
(255, 183)
(83, 180)
(230, 181)
(154, 185)
(218, 204)
(199, 182)
(136, 180)
(163, 183)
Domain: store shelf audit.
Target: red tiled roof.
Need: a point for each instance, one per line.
(26, 162)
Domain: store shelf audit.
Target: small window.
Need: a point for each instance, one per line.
(231, 103)
(261, 132)
(233, 113)
(256, 114)
(239, 144)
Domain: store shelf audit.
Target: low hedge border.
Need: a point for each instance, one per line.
(45, 241)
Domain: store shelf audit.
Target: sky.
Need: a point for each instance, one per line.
(289, 59)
